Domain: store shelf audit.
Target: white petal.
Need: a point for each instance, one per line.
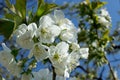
(26, 77)
(25, 40)
(46, 20)
(62, 47)
(5, 56)
(59, 15)
(73, 60)
(48, 33)
(66, 74)
(21, 29)
(69, 36)
(75, 46)
(84, 52)
(60, 78)
(59, 71)
(104, 12)
(39, 51)
(104, 21)
(5, 48)
(14, 69)
(55, 30)
(32, 27)
(43, 74)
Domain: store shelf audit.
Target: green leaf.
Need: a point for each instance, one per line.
(16, 19)
(43, 9)
(16, 12)
(106, 33)
(8, 3)
(9, 16)
(20, 7)
(97, 4)
(88, 1)
(6, 28)
(15, 52)
(40, 10)
(51, 6)
(82, 36)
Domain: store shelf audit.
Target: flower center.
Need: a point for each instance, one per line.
(56, 56)
(44, 30)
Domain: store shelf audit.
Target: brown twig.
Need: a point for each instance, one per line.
(83, 69)
(54, 74)
(111, 69)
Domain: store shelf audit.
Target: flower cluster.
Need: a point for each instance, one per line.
(7, 60)
(55, 38)
(104, 18)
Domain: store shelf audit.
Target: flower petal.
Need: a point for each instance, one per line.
(59, 15)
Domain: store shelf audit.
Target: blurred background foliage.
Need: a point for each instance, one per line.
(16, 12)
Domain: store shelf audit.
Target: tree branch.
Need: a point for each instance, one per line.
(111, 69)
(116, 47)
(96, 78)
(54, 74)
(83, 69)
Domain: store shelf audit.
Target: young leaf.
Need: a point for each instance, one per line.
(6, 28)
(20, 7)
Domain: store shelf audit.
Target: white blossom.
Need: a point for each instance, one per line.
(75, 55)
(102, 20)
(48, 33)
(14, 69)
(59, 52)
(74, 46)
(58, 56)
(25, 40)
(94, 43)
(64, 54)
(60, 78)
(25, 35)
(33, 28)
(84, 52)
(47, 30)
(46, 20)
(5, 56)
(26, 77)
(40, 52)
(104, 12)
(43, 74)
(69, 32)
(7, 60)
(61, 21)
(73, 60)
(69, 35)
(21, 30)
